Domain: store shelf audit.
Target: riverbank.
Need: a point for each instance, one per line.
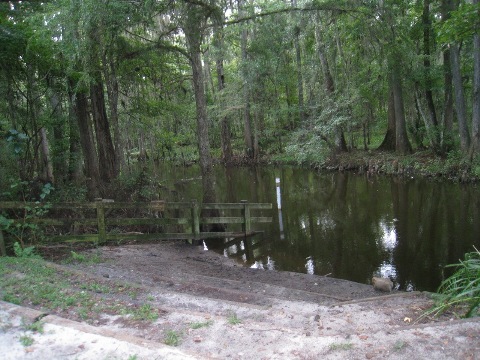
(420, 163)
(171, 295)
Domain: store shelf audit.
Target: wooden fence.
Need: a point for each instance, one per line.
(108, 217)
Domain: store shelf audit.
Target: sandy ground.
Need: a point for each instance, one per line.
(220, 310)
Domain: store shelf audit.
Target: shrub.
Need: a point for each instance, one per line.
(462, 289)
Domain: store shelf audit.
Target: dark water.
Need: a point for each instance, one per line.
(345, 225)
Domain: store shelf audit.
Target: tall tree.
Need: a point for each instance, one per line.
(298, 58)
(219, 43)
(431, 120)
(247, 120)
(402, 144)
(476, 83)
(339, 141)
(195, 18)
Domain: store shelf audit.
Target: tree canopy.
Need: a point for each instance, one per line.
(89, 87)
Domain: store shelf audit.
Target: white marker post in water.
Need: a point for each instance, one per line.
(279, 206)
(279, 196)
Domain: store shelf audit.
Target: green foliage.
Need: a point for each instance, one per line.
(18, 226)
(36, 326)
(172, 338)
(314, 140)
(233, 319)
(26, 280)
(17, 141)
(26, 340)
(199, 325)
(340, 346)
(461, 291)
(461, 25)
(144, 312)
(78, 257)
(62, 47)
(24, 252)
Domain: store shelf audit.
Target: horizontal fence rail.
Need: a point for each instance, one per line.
(189, 218)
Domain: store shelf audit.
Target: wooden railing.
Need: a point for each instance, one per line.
(100, 215)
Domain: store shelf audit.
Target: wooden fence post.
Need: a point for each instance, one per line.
(247, 224)
(102, 231)
(2, 244)
(195, 219)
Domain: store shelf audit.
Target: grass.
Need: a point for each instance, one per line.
(145, 312)
(399, 345)
(83, 258)
(461, 291)
(36, 283)
(36, 326)
(233, 319)
(340, 346)
(26, 340)
(96, 287)
(199, 325)
(172, 338)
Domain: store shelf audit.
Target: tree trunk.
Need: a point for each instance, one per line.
(475, 145)
(340, 143)
(224, 126)
(460, 106)
(402, 145)
(47, 174)
(194, 21)
(432, 126)
(298, 54)
(247, 121)
(88, 146)
(12, 113)
(106, 151)
(388, 143)
(74, 153)
(447, 122)
(447, 134)
(112, 91)
(60, 149)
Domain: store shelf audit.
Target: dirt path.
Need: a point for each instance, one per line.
(214, 309)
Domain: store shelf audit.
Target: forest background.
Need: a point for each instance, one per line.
(89, 89)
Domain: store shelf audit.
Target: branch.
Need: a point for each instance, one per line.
(156, 45)
(320, 7)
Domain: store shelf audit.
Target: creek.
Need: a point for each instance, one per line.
(343, 225)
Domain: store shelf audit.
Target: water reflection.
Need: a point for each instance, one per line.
(347, 225)
(388, 241)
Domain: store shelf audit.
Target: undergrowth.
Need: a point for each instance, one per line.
(461, 291)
